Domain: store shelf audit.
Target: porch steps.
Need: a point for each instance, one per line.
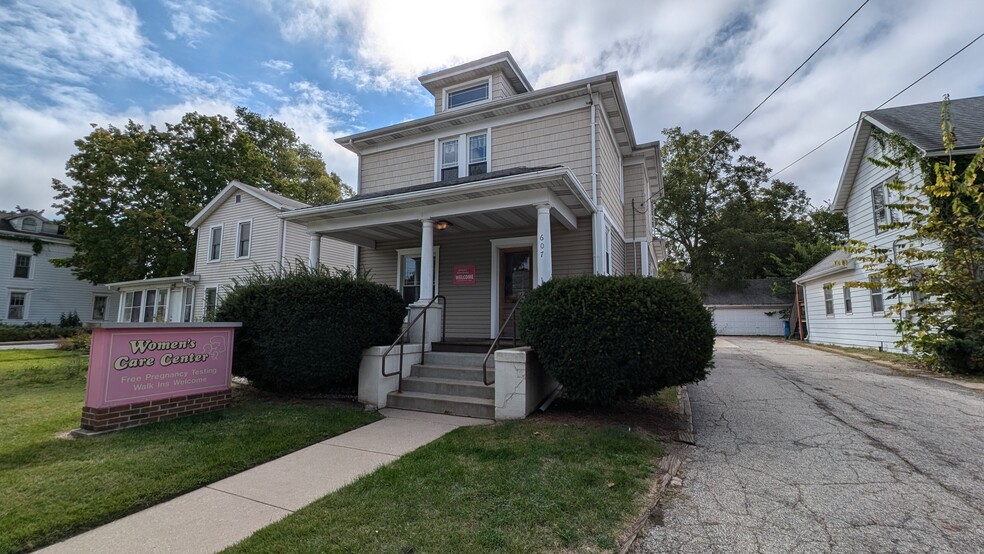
(447, 383)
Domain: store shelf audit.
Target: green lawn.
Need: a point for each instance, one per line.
(528, 486)
(53, 487)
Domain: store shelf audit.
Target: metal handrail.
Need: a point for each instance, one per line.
(423, 338)
(498, 337)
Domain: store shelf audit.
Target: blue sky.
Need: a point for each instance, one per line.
(331, 68)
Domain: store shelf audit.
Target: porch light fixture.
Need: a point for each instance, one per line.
(441, 225)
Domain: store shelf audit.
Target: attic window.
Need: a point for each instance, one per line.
(29, 224)
(239, 198)
(468, 95)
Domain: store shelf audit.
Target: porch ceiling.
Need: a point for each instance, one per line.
(493, 204)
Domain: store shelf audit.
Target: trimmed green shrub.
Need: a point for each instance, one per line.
(34, 331)
(609, 339)
(961, 351)
(305, 330)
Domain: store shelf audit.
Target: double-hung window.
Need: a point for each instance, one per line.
(469, 95)
(877, 297)
(243, 235)
(449, 160)
(879, 207)
(187, 303)
(145, 305)
(22, 266)
(16, 305)
(848, 305)
(477, 150)
(828, 299)
(408, 284)
(215, 243)
(99, 307)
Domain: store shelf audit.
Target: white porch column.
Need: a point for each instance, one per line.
(314, 251)
(426, 261)
(544, 247)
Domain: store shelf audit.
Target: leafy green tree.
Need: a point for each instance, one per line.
(935, 270)
(135, 188)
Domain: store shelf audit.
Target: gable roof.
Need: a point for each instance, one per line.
(757, 292)
(836, 262)
(7, 228)
(503, 61)
(920, 125)
(273, 199)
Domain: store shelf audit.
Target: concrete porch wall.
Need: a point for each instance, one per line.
(521, 384)
(469, 306)
(373, 387)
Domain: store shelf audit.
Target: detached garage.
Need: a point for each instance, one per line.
(753, 310)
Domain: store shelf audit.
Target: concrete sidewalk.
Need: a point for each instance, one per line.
(218, 515)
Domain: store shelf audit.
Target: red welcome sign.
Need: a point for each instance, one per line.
(464, 275)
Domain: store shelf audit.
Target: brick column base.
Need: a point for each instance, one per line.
(100, 420)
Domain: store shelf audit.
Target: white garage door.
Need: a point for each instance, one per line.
(747, 321)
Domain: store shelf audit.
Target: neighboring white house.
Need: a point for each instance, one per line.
(751, 311)
(836, 313)
(239, 230)
(33, 289)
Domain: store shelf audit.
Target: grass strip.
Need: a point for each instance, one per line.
(55, 487)
(526, 486)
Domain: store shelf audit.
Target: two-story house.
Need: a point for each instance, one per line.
(836, 313)
(237, 231)
(32, 288)
(503, 188)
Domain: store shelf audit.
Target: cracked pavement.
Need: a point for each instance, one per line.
(800, 450)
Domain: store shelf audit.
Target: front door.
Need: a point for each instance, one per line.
(516, 279)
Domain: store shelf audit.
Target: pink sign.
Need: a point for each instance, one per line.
(464, 274)
(131, 363)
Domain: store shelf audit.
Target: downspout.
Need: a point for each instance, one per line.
(595, 217)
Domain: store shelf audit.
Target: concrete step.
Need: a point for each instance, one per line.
(434, 371)
(442, 404)
(449, 387)
(459, 359)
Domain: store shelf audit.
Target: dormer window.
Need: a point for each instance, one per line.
(470, 95)
(29, 225)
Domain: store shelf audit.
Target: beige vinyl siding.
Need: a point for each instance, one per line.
(635, 190)
(469, 306)
(633, 258)
(609, 174)
(438, 103)
(618, 255)
(562, 139)
(397, 168)
(500, 87)
(334, 253)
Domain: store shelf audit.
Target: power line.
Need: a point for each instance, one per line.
(880, 106)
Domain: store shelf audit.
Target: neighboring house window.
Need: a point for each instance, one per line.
(828, 299)
(848, 306)
(188, 304)
(215, 243)
(145, 305)
(877, 298)
(468, 95)
(879, 207)
(99, 307)
(477, 154)
(918, 297)
(29, 225)
(243, 236)
(16, 306)
(211, 303)
(22, 266)
(408, 275)
(449, 160)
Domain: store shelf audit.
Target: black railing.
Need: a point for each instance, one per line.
(515, 338)
(401, 340)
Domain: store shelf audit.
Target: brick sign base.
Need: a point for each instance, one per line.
(100, 420)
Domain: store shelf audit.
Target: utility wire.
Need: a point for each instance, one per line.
(880, 106)
(775, 90)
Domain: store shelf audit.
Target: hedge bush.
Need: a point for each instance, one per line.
(35, 331)
(961, 351)
(609, 339)
(305, 330)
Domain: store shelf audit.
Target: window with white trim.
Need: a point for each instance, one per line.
(17, 305)
(409, 273)
(880, 210)
(29, 225)
(215, 243)
(449, 159)
(187, 304)
(469, 95)
(22, 266)
(828, 299)
(211, 303)
(99, 303)
(244, 233)
(144, 306)
(877, 297)
(848, 304)
(477, 154)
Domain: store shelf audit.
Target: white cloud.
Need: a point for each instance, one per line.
(190, 20)
(280, 66)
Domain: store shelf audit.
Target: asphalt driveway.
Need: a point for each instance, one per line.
(800, 450)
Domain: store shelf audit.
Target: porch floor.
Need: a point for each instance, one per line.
(473, 346)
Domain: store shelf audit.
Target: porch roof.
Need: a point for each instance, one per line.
(175, 280)
(497, 200)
